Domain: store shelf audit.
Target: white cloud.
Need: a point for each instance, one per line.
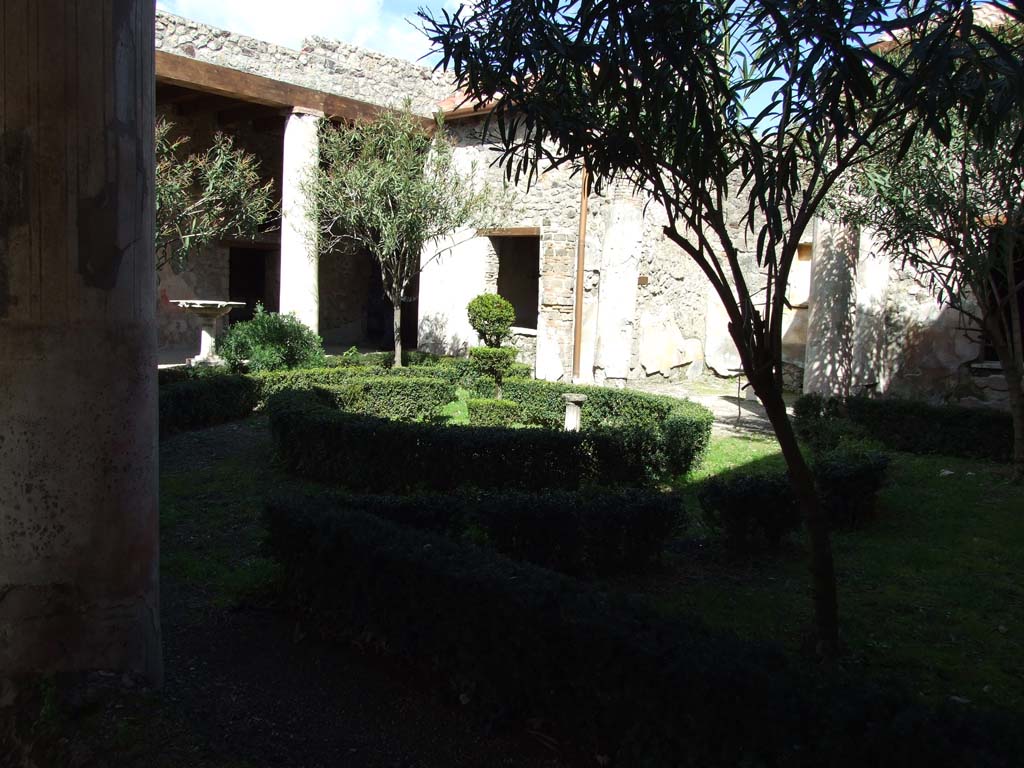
(288, 22)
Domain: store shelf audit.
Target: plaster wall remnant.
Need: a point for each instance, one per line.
(620, 255)
(78, 416)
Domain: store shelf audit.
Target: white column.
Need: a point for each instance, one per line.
(829, 357)
(620, 258)
(869, 336)
(300, 291)
(78, 396)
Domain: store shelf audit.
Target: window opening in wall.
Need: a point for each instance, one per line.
(519, 276)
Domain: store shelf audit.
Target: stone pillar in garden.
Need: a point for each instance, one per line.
(300, 291)
(78, 392)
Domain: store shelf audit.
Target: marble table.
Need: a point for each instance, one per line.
(209, 313)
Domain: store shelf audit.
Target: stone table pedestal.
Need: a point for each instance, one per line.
(573, 410)
(209, 313)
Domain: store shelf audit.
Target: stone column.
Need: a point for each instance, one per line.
(300, 292)
(871, 285)
(78, 397)
(620, 258)
(828, 359)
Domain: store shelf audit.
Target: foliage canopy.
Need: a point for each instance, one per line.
(205, 196)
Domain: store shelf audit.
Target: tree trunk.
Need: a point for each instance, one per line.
(823, 574)
(1015, 395)
(1013, 371)
(397, 303)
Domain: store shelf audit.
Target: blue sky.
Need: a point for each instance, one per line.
(381, 25)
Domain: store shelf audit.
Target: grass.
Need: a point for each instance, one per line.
(930, 593)
(211, 528)
(457, 412)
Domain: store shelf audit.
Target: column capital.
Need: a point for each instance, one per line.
(306, 112)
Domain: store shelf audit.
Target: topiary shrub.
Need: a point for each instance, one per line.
(492, 364)
(270, 342)
(491, 317)
(848, 481)
(485, 412)
(753, 512)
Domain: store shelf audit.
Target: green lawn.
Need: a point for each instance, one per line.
(931, 594)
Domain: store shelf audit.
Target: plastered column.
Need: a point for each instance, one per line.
(299, 263)
(78, 396)
(620, 258)
(829, 356)
(871, 284)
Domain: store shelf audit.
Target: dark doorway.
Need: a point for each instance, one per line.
(252, 278)
(519, 275)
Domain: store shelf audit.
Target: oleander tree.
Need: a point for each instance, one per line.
(205, 196)
(736, 117)
(390, 187)
(952, 207)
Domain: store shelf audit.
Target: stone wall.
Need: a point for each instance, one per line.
(468, 265)
(325, 65)
(206, 278)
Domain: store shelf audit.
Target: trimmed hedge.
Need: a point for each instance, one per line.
(194, 402)
(203, 402)
(848, 484)
(405, 398)
(909, 425)
(353, 356)
(487, 412)
(759, 509)
(315, 440)
(677, 432)
(580, 533)
(605, 674)
(751, 511)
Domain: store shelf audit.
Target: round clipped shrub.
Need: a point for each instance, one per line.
(491, 317)
(270, 342)
(492, 363)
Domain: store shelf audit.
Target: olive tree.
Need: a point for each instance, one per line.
(736, 117)
(390, 187)
(203, 197)
(952, 208)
